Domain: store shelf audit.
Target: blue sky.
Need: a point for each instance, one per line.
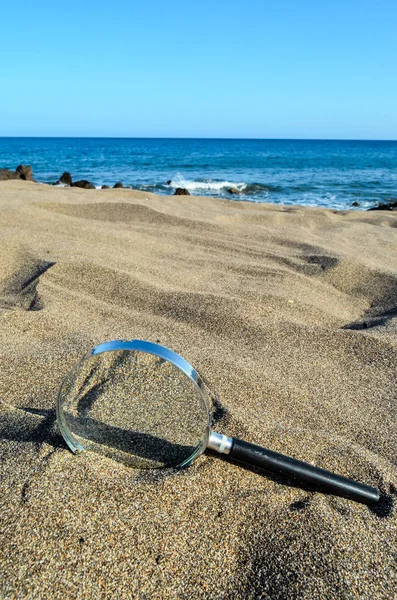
(236, 68)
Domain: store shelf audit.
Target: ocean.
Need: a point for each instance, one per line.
(327, 173)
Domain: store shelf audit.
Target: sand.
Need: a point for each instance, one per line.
(289, 314)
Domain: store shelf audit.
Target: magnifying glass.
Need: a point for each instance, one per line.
(143, 404)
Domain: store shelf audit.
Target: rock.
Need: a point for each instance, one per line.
(65, 178)
(6, 174)
(25, 172)
(383, 206)
(118, 185)
(83, 183)
(105, 187)
(233, 190)
(355, 204)
(181, 192)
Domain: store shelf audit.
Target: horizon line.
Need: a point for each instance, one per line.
(110, 137)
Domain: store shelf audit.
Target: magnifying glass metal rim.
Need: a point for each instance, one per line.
(150, 348)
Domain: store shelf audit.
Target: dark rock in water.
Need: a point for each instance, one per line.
(105, 187)
(118, 185)
(6, 174)
(83, 183)
(25, 172)
(181, 192)
(383, 206)
(65, 178)
(22, 172)
(233, 190)
(355, 204)
(169, 182)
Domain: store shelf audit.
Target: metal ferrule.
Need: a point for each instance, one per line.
(220, 443)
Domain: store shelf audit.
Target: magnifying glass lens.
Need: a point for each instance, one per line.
(134, 407)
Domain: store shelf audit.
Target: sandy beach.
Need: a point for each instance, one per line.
(290, 316)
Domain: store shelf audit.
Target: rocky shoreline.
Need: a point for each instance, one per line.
(25, 173)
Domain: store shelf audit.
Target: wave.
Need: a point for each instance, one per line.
(203, 184)
(208, 185)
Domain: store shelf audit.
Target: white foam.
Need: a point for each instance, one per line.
(188, 184)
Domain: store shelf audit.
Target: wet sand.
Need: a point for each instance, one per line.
(290, 316)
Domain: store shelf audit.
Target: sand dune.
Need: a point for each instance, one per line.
(20, 272)
(289, 314)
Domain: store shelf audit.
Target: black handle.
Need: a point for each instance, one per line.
(278, 463)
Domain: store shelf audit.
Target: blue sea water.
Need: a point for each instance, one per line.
(326, 173)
